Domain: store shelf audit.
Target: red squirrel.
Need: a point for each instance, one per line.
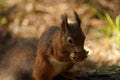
(58, 50)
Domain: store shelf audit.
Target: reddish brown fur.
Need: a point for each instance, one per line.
(53, 55)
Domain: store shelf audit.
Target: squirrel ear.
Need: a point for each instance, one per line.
(77, 18)
(64, 24)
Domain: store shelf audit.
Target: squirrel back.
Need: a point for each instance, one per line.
(46, 38)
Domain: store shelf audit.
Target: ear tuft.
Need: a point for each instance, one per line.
(64, 24)
(77, 18)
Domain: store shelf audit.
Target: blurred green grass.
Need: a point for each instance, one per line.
(112, 28)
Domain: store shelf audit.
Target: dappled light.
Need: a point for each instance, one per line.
(25, 20)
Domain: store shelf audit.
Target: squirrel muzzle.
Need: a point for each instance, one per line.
(78, 56)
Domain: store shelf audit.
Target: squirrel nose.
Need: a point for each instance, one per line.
(83, 51)
(86, 52)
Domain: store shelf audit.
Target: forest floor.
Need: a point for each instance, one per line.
(29, 18)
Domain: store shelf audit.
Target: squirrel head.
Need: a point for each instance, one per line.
(72, 39)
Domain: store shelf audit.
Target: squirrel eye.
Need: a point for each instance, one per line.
(69, 40)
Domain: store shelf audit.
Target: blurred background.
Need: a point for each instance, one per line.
(27, 19)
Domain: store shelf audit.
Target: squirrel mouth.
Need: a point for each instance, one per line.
(78, 56)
